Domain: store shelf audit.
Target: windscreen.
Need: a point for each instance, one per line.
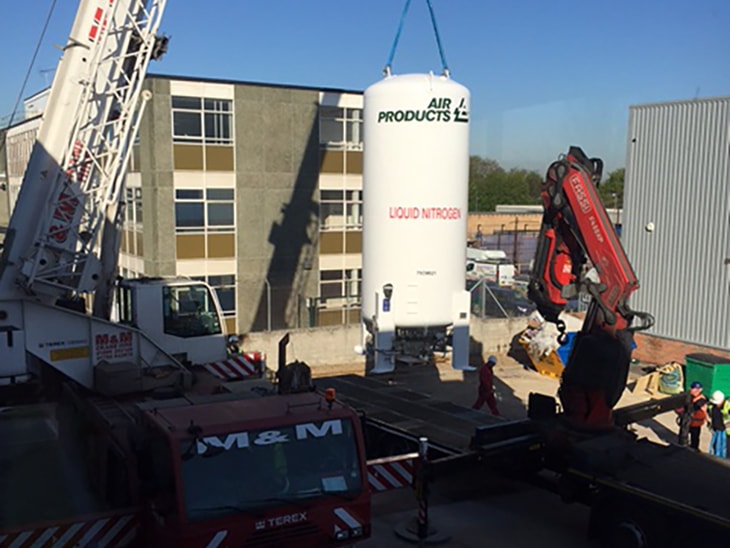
(239, 471)
(189, 311)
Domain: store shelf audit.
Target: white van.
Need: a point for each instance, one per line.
(490, 264)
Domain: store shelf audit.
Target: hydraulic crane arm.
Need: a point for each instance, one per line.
(578, 249)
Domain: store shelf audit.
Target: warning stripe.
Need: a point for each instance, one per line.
(385, 476)
(95, 27)
(216, 541)
(100, 19)
(78, 165)
(237, 367)
(345, 520)
(104, 532)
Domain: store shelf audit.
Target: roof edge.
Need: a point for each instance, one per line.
(680, 102)
(250, 83)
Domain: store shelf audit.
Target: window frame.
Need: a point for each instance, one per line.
(350, 121)
(347, 201)
(231, 285)
(212, 112)
(181, 198)
(340, 279)
(133, 219)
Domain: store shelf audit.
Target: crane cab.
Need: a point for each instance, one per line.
(182, 316)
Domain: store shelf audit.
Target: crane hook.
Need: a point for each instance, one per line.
(562, 335)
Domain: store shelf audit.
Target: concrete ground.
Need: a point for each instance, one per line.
(471, 510)
(479, 511)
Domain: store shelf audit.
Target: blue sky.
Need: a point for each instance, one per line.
(543, 74)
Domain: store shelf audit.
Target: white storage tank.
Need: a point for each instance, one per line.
(415, 196)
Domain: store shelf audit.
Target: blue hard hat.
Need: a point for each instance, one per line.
(696, 384)
(492, 359)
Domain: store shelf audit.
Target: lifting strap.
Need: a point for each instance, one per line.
(389, 63)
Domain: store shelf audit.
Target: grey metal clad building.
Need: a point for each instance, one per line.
(677, 215)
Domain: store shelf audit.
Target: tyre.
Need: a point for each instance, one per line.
(628, 526)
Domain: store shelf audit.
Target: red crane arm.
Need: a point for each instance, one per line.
(576, 228)
(576, 234)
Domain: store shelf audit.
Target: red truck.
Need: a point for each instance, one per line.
(233, 468)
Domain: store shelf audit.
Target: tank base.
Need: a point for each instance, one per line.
(460, 333)
(382, 367)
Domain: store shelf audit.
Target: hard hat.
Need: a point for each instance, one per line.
(696, 384)
(492, 359)
(717, 397)
(233, 339)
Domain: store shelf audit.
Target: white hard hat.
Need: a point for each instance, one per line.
(717, 397)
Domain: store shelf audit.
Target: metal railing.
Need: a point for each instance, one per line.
(489, 300)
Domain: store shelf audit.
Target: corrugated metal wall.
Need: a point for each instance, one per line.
(678, 178)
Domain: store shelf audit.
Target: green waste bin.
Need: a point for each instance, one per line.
(711, 370)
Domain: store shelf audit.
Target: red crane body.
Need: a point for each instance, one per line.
(576, 234)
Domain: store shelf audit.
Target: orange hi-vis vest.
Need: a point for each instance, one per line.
(698, 416)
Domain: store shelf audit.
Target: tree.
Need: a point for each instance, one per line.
(612, 189)
(482, 167)
(490, 184)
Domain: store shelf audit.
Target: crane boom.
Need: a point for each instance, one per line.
(62, 243)
(575, 230)
(72, 187)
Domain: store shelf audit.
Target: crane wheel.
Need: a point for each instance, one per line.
(622, 525)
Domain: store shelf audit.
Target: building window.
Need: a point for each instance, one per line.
(225, 289)
(340, 128)
(210, 210)
(340, 288)
(133, 208)
(19, 149)
(132, 241)
(340, 209)
(199, 120)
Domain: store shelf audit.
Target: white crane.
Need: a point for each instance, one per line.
(62, 243)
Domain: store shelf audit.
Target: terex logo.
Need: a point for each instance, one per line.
(439, 109)
(281, 520)
(242, 440)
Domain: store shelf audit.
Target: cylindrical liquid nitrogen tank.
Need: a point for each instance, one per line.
(415, 192)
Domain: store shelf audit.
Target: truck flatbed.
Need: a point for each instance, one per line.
(442, 422)
(667, 475)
